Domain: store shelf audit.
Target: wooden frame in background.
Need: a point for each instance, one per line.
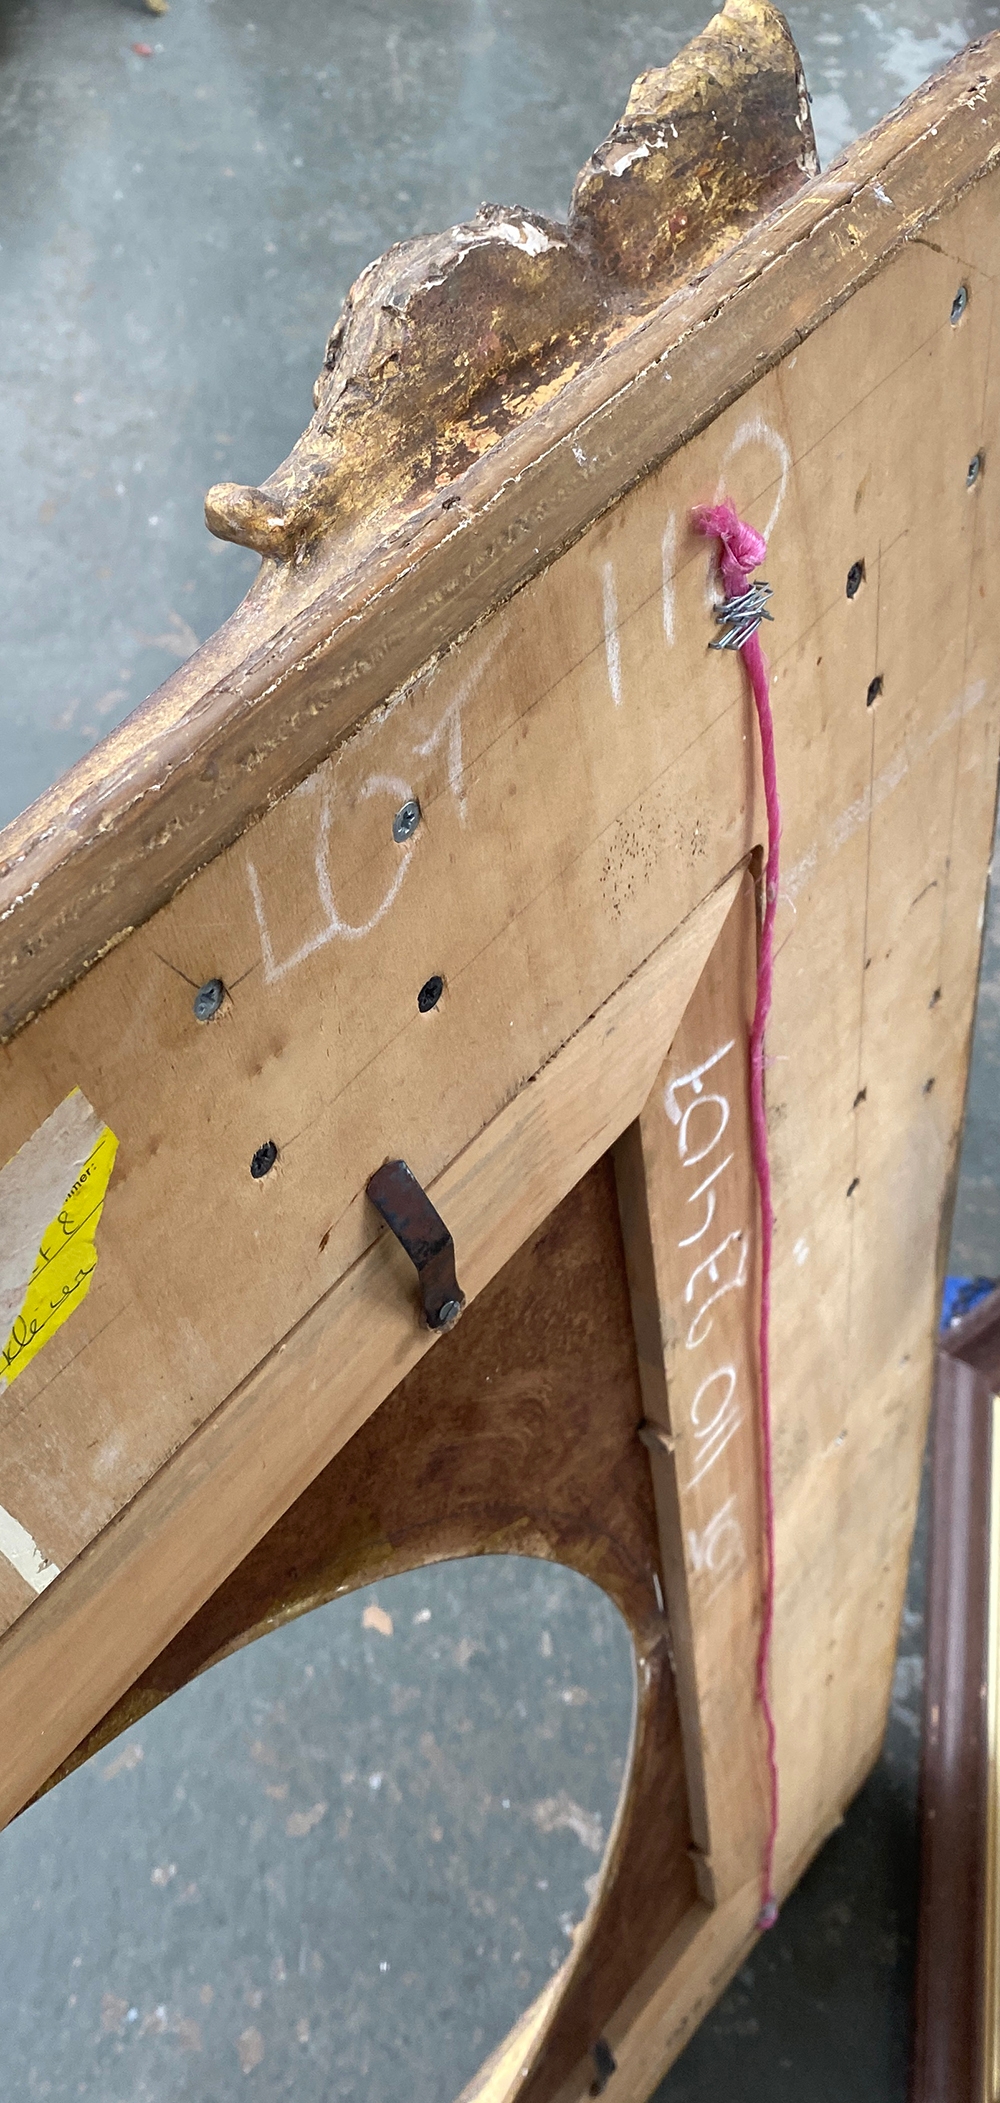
(957, 2035)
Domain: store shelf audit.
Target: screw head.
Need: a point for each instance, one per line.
(974, 470)
(263, 1160)
(405, 822)
(208, 999)
(448, 1314)
(959, 304)
(430, 993)
(855, 579)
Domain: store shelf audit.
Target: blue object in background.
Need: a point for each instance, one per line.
(961, 1295)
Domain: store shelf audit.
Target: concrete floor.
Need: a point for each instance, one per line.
(341, 1864)
(343, 1861)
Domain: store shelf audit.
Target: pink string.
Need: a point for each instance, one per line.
(742, 551)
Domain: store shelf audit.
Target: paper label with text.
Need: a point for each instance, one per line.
(51, 1197)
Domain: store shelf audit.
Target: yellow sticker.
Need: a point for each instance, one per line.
(66, 1260)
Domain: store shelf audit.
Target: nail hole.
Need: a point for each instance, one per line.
(974, 469)
(429, 994)
(263, 1160)
(928, 1085)
(852, 1186)
(874, 690)
(208, 999)
(935, 997)
(959, 304)
(861, 1097)
(855, 579)
(605, 2064)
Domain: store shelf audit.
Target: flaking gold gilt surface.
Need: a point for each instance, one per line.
(449, 339)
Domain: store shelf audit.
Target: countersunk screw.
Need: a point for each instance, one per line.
(974, 469)
(959, 304)
(448, 1314)
(405, 822)
(208, 999)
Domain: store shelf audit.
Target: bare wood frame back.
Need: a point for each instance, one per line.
(530, 665)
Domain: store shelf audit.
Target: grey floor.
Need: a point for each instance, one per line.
(340, 1865)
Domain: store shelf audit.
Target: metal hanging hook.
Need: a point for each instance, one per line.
(406, 1208)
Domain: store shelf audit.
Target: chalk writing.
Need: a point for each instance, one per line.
(699, 1329)
(668, 557)
(700, 1111)
(714, 1434)
(450, 723)
(707, 1191)
(756, 431)
(692, 1080)
(333, 925)
(719, 1547)
(703, 1102)
(612, 643)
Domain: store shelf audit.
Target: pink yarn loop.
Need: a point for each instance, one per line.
(742, 550)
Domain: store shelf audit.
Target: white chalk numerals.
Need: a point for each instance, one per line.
(700, 1111)
(719, 1549)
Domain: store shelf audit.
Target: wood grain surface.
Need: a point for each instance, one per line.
(590, 797)
(585, 772)
(517, 1435)
(312, 650)
(690, 1214)
(83, 1641)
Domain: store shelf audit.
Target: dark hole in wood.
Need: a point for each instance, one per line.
(263, 1160)
(874, 689)
(605, 2064)
(852, 1185)
(855, 579)
(429, 994)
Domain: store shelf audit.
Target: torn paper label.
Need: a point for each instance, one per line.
(51, 1197)
(24, 1554)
